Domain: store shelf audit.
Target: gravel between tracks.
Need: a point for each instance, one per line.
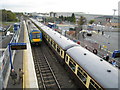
(62, 75)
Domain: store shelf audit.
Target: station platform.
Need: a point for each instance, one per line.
(23, 59)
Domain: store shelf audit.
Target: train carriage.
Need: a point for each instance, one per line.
(92, 71)
(57, 41)
(35, 35)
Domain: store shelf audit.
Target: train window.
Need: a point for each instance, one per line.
(47, 38)
(92, 82)
(82, 77)
(94, 85)
(80, 69)
(61, 52)
(72, 66)
(50, 41)
(58, 49)
(66, 58)
(34, 35)
(72, 62)
(91, 87)
(97, 87)
(54, 45)
(38, 35)
(85, 75)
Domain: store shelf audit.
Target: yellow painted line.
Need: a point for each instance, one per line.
(35, 32)
(25, 60)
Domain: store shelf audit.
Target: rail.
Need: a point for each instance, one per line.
(44, 70)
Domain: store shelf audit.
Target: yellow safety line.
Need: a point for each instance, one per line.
(23, 67)
(25, 70)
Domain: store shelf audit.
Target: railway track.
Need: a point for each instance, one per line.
(45, 74)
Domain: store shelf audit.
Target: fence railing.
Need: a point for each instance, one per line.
(5, 59)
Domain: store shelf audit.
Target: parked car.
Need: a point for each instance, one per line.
(89, 33)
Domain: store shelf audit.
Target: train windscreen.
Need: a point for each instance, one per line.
(36, 35)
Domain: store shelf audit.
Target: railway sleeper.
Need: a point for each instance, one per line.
(50, 81)
(46, 74)
(48, 77)
(44, 66)
(45, 71)
(51, 85)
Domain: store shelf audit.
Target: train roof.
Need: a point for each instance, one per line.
(61, 40)
(33, 28)
(96, 68)
(35, 31)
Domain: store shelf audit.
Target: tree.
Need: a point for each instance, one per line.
(8, 15)
(73, 19)
(91, 21)
(82, 20)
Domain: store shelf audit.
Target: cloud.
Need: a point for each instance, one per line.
(91, 6)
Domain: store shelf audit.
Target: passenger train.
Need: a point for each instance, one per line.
(89, 70)
(35, 35)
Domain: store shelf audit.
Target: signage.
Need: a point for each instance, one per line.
(18, 46)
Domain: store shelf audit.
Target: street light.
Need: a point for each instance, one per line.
(114, 14)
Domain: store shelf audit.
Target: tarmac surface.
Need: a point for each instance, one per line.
(17, 63)
(6, 41)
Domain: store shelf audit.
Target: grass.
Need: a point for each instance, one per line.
(11, 29)
(6, 23)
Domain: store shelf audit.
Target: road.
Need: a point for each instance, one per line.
(109, 39)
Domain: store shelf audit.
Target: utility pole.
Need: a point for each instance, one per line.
(114, 10)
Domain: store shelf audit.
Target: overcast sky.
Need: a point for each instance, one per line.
(88, 6)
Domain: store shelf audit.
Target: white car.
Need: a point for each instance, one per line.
(89, 33)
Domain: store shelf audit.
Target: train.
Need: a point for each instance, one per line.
(88, 70)
(35, 35)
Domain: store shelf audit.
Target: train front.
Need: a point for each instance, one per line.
(36, 37)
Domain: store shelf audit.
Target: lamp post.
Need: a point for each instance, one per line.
(114, 14)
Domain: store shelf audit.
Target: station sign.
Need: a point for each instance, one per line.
(16, 26)
(18, 46)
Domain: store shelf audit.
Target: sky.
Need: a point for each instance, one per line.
(104, 7)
